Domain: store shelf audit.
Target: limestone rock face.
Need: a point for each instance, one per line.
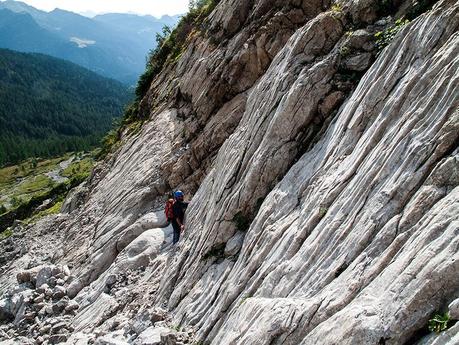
(324, 178)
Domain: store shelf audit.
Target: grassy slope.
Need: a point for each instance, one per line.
(23, 183)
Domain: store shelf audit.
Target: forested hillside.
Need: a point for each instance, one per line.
(113, 45)
(49, 106)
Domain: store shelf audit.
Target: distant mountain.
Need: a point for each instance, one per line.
(114, 45)
(50, 106)
(141, 29)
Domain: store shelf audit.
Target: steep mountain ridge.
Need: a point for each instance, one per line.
(324, 175)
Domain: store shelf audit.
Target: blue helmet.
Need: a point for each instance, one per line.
(178, 194)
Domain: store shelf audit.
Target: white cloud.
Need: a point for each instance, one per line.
(153, 7)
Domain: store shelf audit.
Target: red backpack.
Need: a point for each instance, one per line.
(169, 210)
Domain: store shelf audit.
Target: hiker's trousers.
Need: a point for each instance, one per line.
(177, 229)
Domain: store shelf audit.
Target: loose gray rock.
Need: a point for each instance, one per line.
(52, 282)
(39, 299)
(234, 245)
(152, 336)
(43, 275)
(57, 338)
(42, 288)
(72, 305)
(5, 310)
(59, 292)
(359, 62)
(74, 288)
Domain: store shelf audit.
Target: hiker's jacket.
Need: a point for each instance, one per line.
(179, 209)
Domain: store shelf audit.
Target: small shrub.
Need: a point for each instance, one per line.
(344, 51)
(322, 212)
(6, 234)
(337, 8)
(170, 44)
(245, 297)
(383, 38)
(15, 201)
(439, 323)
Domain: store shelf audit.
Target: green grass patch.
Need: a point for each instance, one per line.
(55, 209)
(26, 186)
(34, 184)
(80, 169)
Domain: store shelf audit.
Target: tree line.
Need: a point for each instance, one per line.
(49, 106)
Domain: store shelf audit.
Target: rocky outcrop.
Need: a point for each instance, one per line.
(348, 220)
(324, 176)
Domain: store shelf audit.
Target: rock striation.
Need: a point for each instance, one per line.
(324, 174)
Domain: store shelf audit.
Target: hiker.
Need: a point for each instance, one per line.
(175, 213)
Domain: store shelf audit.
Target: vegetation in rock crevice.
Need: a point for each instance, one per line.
(383, 38)
(170, 44)
(439, 322)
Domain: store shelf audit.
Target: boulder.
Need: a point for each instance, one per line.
(114, 338)
(29, 275)
(60, 306)
(49, 292)
(59, 292)
(23, 277)
(66, 270)
(74, 288)
(149, 221)
(75, 198)
(234, 245)
(453, 310)
(57, 338)
(39, 299)
(358, 63)
(330, 103)
(52, 282)
(151, 336)
(72, 305)
(157, 315)
(170, 337)
(56, 270)
(5, 310)
(42, 288)
(363, 11)
(43, 275)
(361, 40)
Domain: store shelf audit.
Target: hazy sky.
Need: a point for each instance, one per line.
(154, 7)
